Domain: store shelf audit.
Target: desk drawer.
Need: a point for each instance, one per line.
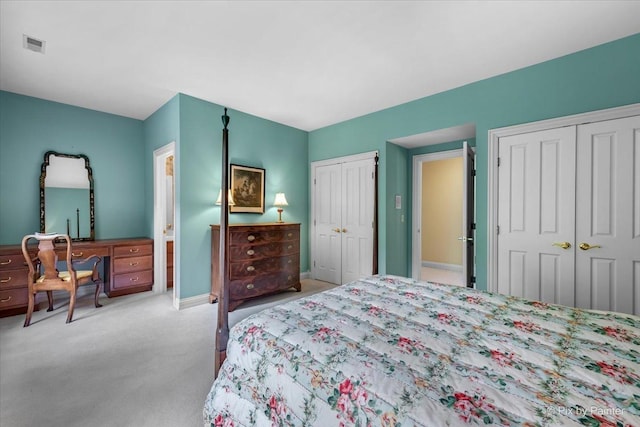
(133, 250)
(13, 278)
(135, 279)
(11, 262)
(125, 265)
(13, 298)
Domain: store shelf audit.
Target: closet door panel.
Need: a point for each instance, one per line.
(536, 215)
(607, 224)
(357, 219)
(327, 188)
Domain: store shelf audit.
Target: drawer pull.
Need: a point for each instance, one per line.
(290, 234)
(290, 247)
(134, 279)
(289, 262)
(6, 300)
(7, 280)
(251, 237)
(6, 262)
(289, 278)
(251, 252)
(250, 286)
(133, 264)
(77, 255)
(251, 268)
(134, 250)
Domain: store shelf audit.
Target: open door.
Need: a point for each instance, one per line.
(468, 219)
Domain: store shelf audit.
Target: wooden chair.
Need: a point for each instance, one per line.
(45, 277)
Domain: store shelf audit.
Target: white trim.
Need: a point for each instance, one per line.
(159, 212)
(312, 170)
(416, 242)
(305, 275)
(492, 171)
(189, 302)
(443, 266)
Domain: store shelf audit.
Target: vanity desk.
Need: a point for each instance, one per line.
(127, 267)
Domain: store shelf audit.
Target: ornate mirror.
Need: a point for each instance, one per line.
(66, 196)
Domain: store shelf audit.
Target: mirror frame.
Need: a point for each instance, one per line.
(43, 175)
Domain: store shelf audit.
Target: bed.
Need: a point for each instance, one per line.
(392, 351)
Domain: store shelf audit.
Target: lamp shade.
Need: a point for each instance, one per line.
(219, 200)
(280, 200)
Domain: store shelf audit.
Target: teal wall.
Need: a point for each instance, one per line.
(29, 127)
(601, 77)
(280, 150)
(121, 153)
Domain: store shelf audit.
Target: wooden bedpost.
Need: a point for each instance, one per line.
(222, 334)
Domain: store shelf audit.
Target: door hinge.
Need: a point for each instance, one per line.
(314, 222)
(498, 161)
(497, 229)
(473, 279)
(473, 172)
(473, 225)
(314, 181)
(314, 263)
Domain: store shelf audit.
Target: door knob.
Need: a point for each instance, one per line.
(586, 246)
(563, 245)
(344, 230)
(337, 230)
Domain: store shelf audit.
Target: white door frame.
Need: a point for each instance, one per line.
(492, 170)
(159, 214)
(312, 229)
(416, 223)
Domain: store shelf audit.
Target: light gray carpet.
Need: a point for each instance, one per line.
(134, 362)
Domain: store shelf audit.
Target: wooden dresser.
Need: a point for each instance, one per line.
(127, 268)
(263, 259)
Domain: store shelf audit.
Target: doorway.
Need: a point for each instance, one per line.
(443, 225)
(165, 229)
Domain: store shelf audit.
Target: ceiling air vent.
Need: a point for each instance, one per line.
(33, 44)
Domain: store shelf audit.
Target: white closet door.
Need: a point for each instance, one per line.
(608, 216)
(357, 219)
(536, 215)
(328, 221)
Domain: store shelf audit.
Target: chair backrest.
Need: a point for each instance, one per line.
(46, 261)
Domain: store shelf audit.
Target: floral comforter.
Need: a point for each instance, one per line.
(391, 351)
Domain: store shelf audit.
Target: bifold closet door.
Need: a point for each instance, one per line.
(536, 215)
(343, 220)
(608, 216)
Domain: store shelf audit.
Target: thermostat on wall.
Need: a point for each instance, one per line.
(398, 201)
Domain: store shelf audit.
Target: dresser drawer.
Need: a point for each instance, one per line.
(13, 298)
(249, 252)
(133, 250)
(13, 278)
(254, 286)
(125, 265)
(238, 237)
(135, 279)
(12, 262)
(263, 266)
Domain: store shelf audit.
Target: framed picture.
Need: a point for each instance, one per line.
(247, 189)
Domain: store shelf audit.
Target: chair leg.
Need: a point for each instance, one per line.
(72, 304)
(50, 299)
(32, 298)
(98, 289)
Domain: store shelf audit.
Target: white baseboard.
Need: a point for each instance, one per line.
(442, 266)
(305, 275)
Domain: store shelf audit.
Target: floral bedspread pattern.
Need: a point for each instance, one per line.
(391, 351)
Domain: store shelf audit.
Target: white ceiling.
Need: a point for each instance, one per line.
(307, 64)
